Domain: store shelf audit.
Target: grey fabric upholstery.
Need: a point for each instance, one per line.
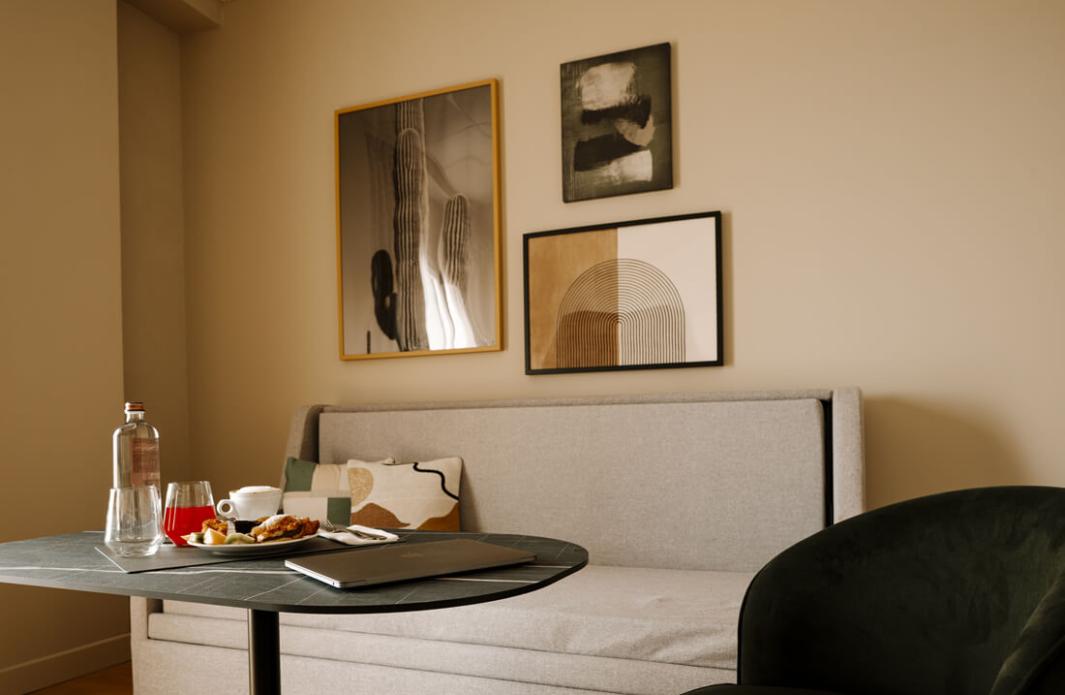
(680, 617)
(616, 629)
(666, 492)
(623, 480)
(848, 454)
(303, 436)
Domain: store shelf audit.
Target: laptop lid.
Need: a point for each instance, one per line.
(396, 563)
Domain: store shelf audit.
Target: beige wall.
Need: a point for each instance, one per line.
(153, 233)
(891, 174)
(60, 308)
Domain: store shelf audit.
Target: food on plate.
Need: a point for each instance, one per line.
(220, 525)
(212, 537)
(283, 527)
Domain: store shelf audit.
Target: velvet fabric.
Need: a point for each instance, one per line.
(960, 593)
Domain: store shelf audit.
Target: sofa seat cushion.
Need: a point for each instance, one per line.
(683, 617)
(525, 671)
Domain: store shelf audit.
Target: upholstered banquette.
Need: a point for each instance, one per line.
(679, 499)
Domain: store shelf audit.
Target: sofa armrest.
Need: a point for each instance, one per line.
(139, 610)
(302, 436)
(848, 454)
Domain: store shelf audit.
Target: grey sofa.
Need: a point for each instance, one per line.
(679, 500)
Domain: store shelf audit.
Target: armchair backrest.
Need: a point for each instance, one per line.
(926, 596)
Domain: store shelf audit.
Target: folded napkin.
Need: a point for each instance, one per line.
(347, 537)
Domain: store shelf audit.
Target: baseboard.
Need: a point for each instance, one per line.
(62, 666)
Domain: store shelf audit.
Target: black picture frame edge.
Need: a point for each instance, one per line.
(608, 57)
(719, 290)
(657, 189)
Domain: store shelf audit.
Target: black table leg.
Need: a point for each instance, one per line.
(264, 653)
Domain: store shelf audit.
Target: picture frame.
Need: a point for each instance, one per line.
(617, 123)
(419, 242)
(641, 294)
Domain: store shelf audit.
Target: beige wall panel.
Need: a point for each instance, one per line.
(60, 308)
(153, 233)
(891, 174)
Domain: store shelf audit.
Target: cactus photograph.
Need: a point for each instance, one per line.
(418, 224)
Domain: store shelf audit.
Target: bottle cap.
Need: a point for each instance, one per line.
(134, 407)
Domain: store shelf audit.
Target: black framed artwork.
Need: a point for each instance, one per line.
(617, 124)
(644, 294)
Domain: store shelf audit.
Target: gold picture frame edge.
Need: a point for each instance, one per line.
(419, 353)
(497, 220)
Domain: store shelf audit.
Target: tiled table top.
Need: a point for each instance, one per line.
(71, 561)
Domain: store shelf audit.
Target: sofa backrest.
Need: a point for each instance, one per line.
(685, 481)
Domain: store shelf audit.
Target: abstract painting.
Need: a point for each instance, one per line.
(616, 124)
(627, 295)
(418, 266)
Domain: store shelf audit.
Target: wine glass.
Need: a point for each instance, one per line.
(187, 505)
(133, 521)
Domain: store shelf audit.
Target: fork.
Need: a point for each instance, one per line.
(336, 528)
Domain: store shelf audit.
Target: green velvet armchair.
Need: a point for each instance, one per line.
(961, 593)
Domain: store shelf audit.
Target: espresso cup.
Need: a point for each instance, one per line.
(250, 502)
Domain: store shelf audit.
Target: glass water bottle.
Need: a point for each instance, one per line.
(136, 450)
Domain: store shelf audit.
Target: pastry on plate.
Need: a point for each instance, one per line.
(283, 527)
(219, 525)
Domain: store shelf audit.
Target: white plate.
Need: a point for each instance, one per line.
(251, 549)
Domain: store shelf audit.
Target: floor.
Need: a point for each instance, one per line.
(117, 680)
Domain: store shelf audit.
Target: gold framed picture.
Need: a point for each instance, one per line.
(419, 267)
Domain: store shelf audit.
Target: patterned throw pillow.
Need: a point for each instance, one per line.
(381, 494)
(419, 495)
(319, 491)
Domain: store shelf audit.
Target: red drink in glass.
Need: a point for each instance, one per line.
(187, 505)
(181, 521)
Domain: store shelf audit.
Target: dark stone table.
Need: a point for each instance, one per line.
(266, 587)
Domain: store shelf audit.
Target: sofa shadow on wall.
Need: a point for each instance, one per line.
(915, 448)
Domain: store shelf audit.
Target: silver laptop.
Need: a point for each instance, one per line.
(396, 563)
